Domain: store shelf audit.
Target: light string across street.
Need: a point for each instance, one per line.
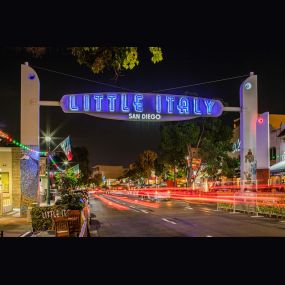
(132, 90)
(17, 143)
(24, 147)
(85, 79)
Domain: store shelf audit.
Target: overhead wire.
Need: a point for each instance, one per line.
(133, 90)
(201, 83)
(85, 79)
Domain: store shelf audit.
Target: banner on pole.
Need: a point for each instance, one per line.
(66, 147)
(75, 169)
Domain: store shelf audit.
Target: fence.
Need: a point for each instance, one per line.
(5, 204)
(265, 204)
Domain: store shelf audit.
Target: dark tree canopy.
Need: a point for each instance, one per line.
(99, 59)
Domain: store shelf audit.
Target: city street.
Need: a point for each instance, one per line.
(176, 219)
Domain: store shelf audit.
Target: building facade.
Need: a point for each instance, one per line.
(109, 173)
(10, 179)
(277, 146)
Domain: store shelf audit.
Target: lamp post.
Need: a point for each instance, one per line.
(48, 140)
(188, 171)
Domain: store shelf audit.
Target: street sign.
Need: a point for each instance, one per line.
(141, 106)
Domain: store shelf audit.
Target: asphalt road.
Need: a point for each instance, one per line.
(175, 219)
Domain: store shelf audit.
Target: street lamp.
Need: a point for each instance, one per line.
(188, 177)
(48, 140)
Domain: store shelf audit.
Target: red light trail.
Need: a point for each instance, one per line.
(137, 202)
(258, 198)
(111, 203)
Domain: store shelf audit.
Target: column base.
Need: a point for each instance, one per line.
(262, 176)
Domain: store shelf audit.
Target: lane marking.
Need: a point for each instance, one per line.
(26, 234)
(144, 211)
(168, 221)
(189, 208)
(136, 210)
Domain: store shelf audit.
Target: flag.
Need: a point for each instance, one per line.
(75, 169)
(65, 145)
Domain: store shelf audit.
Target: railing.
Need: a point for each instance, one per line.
(5, 204)
(267, 204)
(85, 232)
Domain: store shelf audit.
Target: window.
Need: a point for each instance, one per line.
(4, 182)
(273, 153)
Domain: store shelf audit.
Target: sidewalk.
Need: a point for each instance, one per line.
(13, 225)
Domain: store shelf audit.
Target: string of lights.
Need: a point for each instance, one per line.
(55, 164)
(22, 146)
(17, 143)
(86, 79)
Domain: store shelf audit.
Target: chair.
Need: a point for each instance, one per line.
(61, 226)
(74, 220)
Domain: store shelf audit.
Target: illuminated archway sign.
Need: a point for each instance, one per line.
(141, 106)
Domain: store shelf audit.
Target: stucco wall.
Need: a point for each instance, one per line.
(16, 178)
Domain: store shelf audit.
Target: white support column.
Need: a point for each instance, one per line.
(248, 117)
(30, 128)
(30, 109)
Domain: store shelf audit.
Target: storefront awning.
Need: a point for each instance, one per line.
(278, 167)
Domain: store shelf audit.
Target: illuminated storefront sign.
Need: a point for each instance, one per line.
(141, 106)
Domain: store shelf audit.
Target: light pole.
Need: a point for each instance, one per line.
(48, 140)
(188, 178)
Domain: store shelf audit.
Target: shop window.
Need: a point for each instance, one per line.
(4, 182)
(273, 153)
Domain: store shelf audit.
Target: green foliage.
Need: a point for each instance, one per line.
(72, 200)
(134, 173)
(99, 59)
(146, 162)
(42, 218)
(156, 54)
(176, 139)
(66, 180)
(160, 167)
(210, 136)
(97, 179)
(215, 147)
(80, 156)
(143, 166)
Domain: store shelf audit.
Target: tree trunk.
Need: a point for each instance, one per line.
(174, 176)
(189, 165)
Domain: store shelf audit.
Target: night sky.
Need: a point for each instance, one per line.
(119, 142)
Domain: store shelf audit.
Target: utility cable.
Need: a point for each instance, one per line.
(201, 83)
(86, 79)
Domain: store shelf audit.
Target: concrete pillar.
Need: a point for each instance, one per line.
(30, 112)
(248, 117)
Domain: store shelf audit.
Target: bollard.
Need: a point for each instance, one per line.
(234, 205)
